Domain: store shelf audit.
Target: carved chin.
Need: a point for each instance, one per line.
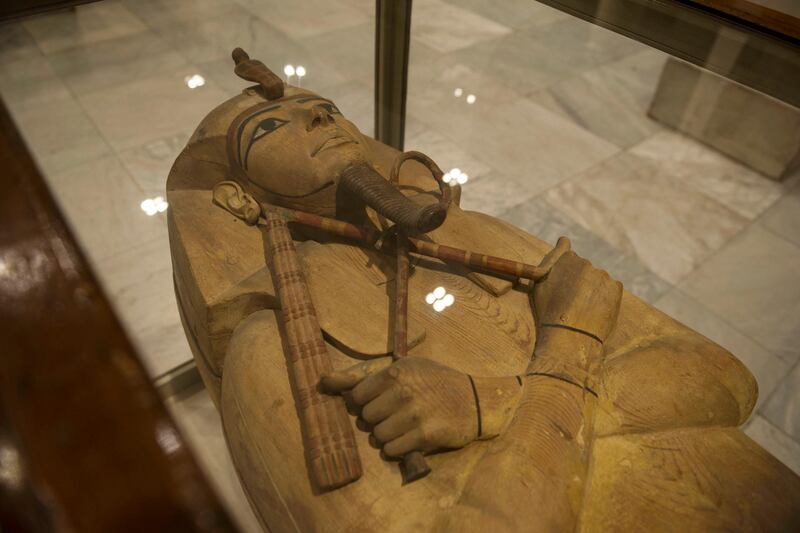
(320, 202)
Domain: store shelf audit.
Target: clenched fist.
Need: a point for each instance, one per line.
(416, 404)
(576, 308)
(577, 295)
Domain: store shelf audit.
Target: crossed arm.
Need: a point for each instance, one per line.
(417, 404)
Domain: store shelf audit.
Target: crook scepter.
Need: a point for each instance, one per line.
(309, 355)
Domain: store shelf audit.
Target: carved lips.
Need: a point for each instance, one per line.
(332, 142)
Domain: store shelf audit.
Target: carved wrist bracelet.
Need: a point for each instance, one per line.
(564, 379)
(477, 405)
(575, 330)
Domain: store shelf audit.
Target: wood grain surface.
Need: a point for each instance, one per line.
(549, 470)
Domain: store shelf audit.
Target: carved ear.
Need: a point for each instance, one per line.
(230, 196)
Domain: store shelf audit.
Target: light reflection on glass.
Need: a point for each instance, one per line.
(439, 299)
(455, 175)
(471, 98)
(458, 92)
(167, 438)
(194, 81)
(291, 70)
(152, 206)
(10, 466)
(300, 71)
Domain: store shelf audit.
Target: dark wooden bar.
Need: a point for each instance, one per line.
(10, 9)
(780, 16)
(85, 442)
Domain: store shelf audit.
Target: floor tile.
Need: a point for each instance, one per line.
(752, 283)
(209, 38)
(16, 43)
(768, 369)
(199, 422)
(292, 18)
(713, 174)
(206, 31)
(783, 407)
(327, 58)
(152, 108)
(102, 204)
(519, 138)
(139, 282)
(493, 194)
(447, 27)
(30, 82)
(163, 14)
(82, 26)
(434, 78)
(532, 67)
(783, 218)
(654, 205)
(610, 101)
(58, 131)
(513, 13)
(150, 163)
(534, 58)
(539, 218)
(775, 442)
(349, 53)
(446, 153)
(365, 6)
(115, 61)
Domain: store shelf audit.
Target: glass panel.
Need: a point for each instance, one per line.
(677, 181)
(108, 94)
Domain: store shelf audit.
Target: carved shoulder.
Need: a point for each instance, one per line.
(219, 269)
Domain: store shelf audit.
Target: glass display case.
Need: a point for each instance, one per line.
(666, 149)
(676, 173)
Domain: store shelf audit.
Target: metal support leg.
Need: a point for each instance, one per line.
(392, 36)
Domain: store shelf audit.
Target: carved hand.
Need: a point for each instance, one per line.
(576, 307)
(416, 404)
(578, 295)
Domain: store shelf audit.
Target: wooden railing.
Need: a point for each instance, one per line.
(85, 441)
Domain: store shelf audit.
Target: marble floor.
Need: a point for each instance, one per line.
(545, 113)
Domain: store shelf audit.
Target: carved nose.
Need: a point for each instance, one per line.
(319, 117)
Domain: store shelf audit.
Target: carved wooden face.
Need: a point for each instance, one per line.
(295, 148)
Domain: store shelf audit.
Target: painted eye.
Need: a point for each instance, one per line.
(267, 126)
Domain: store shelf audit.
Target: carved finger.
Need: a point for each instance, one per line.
(408, 442)
(395, 426)
(383, 406)
(374, 385)
(342, 380)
